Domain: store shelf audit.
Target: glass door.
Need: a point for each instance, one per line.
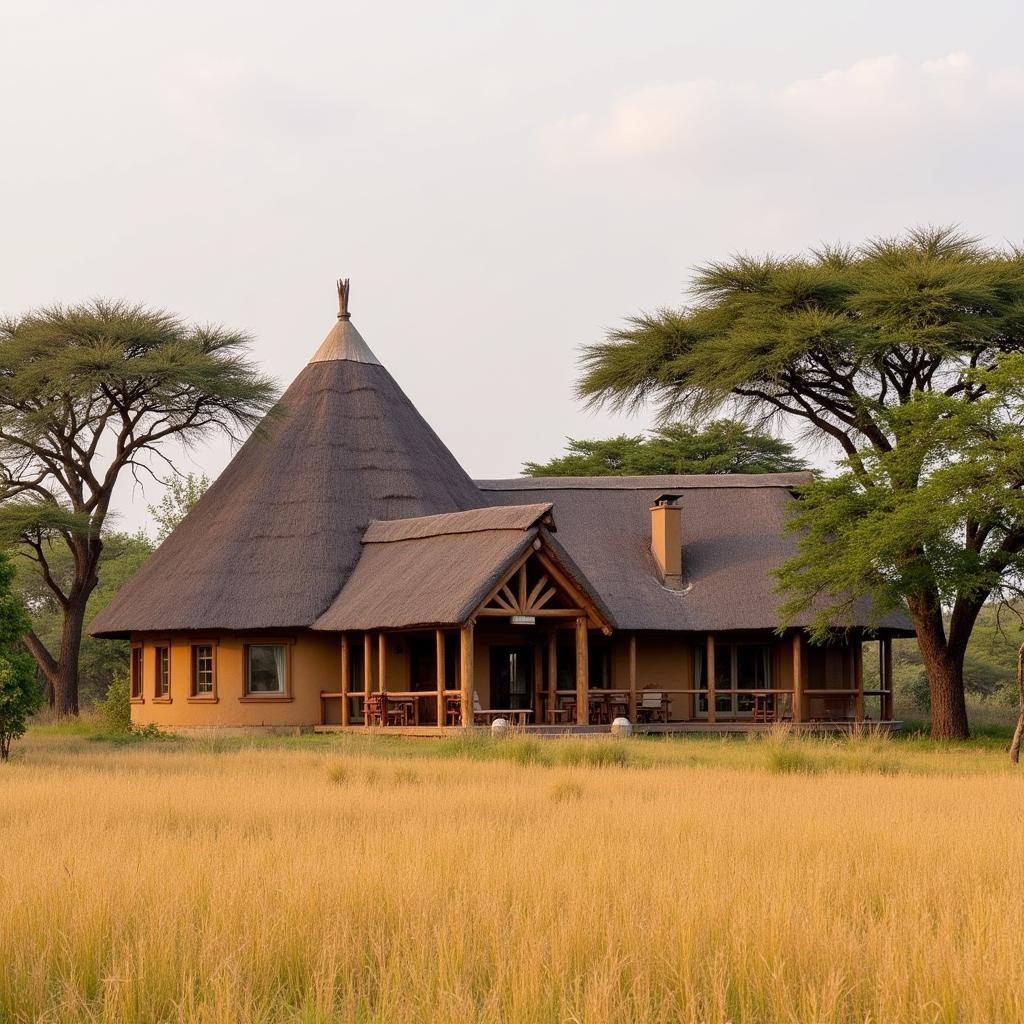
(511, 678)
(738, 667)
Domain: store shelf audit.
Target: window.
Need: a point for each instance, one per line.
(265, 670)
(737, 667)
(202, 671)
(136, 667)
(163, 672)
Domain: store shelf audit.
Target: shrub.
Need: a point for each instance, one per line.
(115, 709)
(20, 693)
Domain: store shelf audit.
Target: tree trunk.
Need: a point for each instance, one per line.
(945, 669)
(1019, 731)
(65, 675)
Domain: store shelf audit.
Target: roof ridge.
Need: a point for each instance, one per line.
(485, 519)
(695, 481)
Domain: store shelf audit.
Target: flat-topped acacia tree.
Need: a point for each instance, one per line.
(907, 354)
(88, 393)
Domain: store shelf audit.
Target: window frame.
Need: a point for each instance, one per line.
(158, 647)
(194, 695)
(267, 696)
(136, 673)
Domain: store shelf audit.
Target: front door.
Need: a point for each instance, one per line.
(511, 677)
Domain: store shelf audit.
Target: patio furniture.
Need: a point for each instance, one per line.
(652, 706)
(618, 705)
(567, 706)
(484, 716)
(597, 708)
(373, 712)
(557, 715)
(764, 707)
(399, 710)
(453, 710)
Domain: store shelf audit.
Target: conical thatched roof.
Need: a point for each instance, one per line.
(278, 534)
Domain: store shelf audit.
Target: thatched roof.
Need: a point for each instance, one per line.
(435, 571)
(733, 537)
(278, 534)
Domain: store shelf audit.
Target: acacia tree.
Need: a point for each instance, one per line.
(87, 394)
(904, 352)
(724, 446)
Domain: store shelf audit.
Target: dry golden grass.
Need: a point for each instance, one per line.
(392, 881)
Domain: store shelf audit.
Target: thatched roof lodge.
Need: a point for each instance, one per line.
(344, 570)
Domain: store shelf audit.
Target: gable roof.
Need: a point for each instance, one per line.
(437, 570)
(278, 533)
(734, 536)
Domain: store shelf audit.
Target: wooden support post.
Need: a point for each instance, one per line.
(345, 666)
(538, 678)
(582, 673)
(382, 662)
(888, 711)
(466, 672)
(367, 675)
(858, 679)
(798, 677)
(710, 659)
(632, 677)
(441, 705)
(552, 673)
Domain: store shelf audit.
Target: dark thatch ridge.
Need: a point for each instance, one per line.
(733, 537)
(436, 571)
(478, 520)
(278, 534)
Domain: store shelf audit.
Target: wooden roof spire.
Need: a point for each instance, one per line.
(343, 290)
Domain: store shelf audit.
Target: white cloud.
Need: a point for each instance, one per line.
(885, 100)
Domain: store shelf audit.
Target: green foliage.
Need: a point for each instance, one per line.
(907, 353)
(20, 695)
(87, 393)
(115, 709)
(179, 499)
(723, 446)
(892, 524)
(99, 660)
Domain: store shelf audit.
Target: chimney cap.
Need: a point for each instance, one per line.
(666, 499)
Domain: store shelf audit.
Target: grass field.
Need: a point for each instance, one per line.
(358, 879)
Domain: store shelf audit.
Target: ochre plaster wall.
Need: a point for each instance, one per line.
(313, 665)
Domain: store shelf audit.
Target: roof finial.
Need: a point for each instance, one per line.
(343, 313)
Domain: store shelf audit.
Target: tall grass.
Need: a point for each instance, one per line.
(394, 881)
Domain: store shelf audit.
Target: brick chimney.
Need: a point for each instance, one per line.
(667, 539)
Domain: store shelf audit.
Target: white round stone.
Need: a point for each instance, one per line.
(499, 727)
(622, 727)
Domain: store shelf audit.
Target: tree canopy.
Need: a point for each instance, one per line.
(88, 393)
(724, 446)
(907, 354)
(178, 500)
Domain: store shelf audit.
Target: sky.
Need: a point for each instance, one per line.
(502, 182)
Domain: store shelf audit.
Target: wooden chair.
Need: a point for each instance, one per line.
(653, 705)
(453, 710)
(764, 707)
(373, 712)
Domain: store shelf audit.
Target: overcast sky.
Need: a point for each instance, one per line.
(501, 181)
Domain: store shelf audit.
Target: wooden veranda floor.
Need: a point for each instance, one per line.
(645, 728)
